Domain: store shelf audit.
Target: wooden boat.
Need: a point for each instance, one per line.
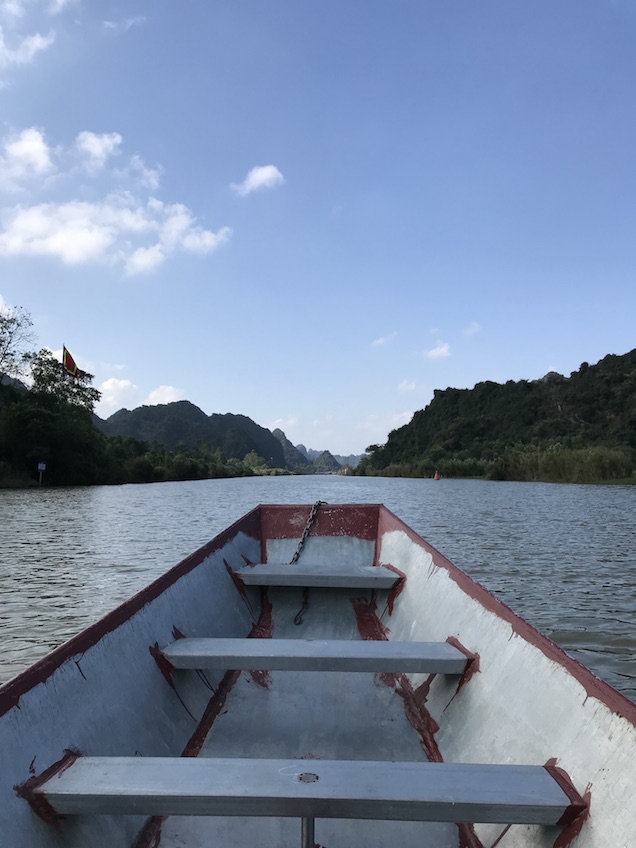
(314, 676)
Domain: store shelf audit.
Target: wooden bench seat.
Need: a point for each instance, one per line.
(308, 575)
(316, 655)
(405, 791)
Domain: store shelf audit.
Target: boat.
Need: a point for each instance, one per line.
(315, 675)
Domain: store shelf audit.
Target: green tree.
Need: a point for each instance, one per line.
(15, 337)
(49, 378)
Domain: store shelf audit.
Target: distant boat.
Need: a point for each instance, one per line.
(314, 675)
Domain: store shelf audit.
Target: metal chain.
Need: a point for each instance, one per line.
(306, 531)
(298, 618)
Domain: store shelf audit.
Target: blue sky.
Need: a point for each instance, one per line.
(316, 213)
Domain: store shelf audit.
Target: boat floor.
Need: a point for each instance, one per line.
(305, 716)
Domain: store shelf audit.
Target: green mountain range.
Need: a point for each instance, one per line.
(581, 427)
(236, 436)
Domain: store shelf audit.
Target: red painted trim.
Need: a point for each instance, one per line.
(150, 834)
(419, 717)
(398, 587)
(287, 521)
(572, 830)
(12, 691)
(468, 838)
(166, 668)
(262, 629)
(236, 579)
(369, 625)
(213, 709)
(578, 805)
(472, 666)
(38, 802)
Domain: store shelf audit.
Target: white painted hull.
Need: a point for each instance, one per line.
(111, 692)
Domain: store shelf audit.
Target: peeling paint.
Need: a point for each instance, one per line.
(578, 805)
(166, 668)
(150, 834)
(467, 836)
(472, 666)
(39, 803)
(398, 587)
(369, 625)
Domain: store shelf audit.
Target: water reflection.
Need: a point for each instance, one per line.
(563, 557)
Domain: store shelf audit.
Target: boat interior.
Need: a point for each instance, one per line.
(313, 677)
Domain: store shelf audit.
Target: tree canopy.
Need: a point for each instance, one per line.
(16, 336)
(578, 428)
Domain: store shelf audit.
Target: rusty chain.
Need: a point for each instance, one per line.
(306, 531)
(298, 618)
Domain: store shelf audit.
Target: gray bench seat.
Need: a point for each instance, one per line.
(316, 655)
(404, 791)
(308, 575)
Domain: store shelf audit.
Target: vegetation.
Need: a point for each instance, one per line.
(326, 463)
(16, 337)
(183, 423)
(53, 422)
(576, 429)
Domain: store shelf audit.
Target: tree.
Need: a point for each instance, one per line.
(49, 378)
(53, 422)
(15, 337)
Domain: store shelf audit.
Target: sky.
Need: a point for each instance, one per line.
(317, 213)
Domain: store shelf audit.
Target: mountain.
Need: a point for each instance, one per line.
(326, 462)
(295, 460)
(311, 454)
(182, 422)
(519, 429)
(352, 459)
(5, 380)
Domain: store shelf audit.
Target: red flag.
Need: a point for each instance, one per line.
(68, 363)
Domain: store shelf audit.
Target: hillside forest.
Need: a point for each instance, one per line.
(580, 428)
(52, 421)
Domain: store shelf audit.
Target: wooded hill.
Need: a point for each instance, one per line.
(577, 428)
(181, 423)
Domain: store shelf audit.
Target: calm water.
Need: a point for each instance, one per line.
(564, 557)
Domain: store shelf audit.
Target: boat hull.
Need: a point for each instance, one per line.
(112, 692)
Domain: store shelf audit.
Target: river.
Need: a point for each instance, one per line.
(562, 556)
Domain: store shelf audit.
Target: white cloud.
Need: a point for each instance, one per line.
(407, 386)
(147, 177)
(126, 24)
(98, 148)
(259, 178)
(26, 156)
(383, 340)
(12, 8)
(440, 351)
(120, 228)
(57, 6)
(80, 232)
(472, 328)
(287, 424)
(164, 394)
(145, 259)
(24, 50)
(129, 23)
(116, 394)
